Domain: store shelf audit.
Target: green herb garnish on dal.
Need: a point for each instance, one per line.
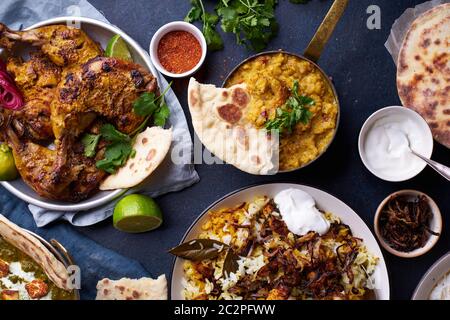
(294, 111)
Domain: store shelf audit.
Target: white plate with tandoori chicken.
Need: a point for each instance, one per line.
(89, 124)
(279, 241)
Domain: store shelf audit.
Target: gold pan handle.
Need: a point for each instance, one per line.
(326, 28)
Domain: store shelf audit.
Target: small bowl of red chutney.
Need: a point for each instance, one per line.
(178, 49)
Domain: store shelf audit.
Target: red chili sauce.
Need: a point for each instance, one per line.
(179, 51)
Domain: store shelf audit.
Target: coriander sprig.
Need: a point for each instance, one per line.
(252, 21)
(148, 105)
(117, 151)
(209, 20)
(295, 110)
(120, 145)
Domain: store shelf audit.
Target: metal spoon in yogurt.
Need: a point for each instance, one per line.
(438, 167)
(398, 138)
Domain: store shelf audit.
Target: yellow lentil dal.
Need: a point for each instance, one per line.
(269, 78)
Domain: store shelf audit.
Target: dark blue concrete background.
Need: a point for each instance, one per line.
(364, 76)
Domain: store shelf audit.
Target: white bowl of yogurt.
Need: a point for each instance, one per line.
(386, 139)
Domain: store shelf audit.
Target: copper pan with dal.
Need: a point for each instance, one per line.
(269, 76)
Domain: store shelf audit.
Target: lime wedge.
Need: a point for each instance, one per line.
(8, 169)
(118, 48)
(137, 213)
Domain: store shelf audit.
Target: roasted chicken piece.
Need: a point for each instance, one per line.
(35, 164)
(65, 46)
(37, 79)
(35, 75)
(69, 89)
(105, 87)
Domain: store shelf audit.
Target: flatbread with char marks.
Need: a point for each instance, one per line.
(423, 70)
(218, 118)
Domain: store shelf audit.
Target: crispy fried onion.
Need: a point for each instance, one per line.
(297, 266)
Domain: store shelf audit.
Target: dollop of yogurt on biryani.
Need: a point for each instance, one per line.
(299, 212)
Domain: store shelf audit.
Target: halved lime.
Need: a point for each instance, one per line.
(137, 213)
(118, 48)
(8, 170)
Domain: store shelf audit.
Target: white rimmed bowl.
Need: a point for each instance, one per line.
(435, 225)
(390, 111)
(100, 32)
(432, 277)
(176, 26)
(325, 202)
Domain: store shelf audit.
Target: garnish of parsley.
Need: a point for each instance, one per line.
(252, 22)
(294, 110)
(120, 145)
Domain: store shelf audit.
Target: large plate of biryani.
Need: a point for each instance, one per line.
(277, 242)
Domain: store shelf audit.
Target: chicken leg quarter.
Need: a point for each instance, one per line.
(69, 89)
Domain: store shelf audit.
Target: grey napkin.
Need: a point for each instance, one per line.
(168, 177)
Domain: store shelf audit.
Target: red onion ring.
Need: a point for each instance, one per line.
(10, 97)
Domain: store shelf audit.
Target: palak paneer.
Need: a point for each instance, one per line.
(21, 278)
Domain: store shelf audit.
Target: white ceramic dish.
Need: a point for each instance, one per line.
(324, 201)
(435, 225)
(176, 26)
(431, 278)
(100, 32)
(407, 113)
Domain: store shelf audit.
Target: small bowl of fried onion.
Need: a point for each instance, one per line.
(408, 223)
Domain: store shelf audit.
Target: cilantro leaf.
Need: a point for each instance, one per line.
(194, 14)
(209, 20)
(109, 133)
(161, 115)
(120, 146)
(117, 152)
(212, 37)
(146, 104)
(90, 142)
(294, 111)
(253, 22)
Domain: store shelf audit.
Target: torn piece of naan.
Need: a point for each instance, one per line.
(218, 118)
(151, 148)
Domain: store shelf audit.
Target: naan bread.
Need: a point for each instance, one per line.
(31, 246)
(218, 118)
(132, 289)
(151, 147)
(423, 70)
